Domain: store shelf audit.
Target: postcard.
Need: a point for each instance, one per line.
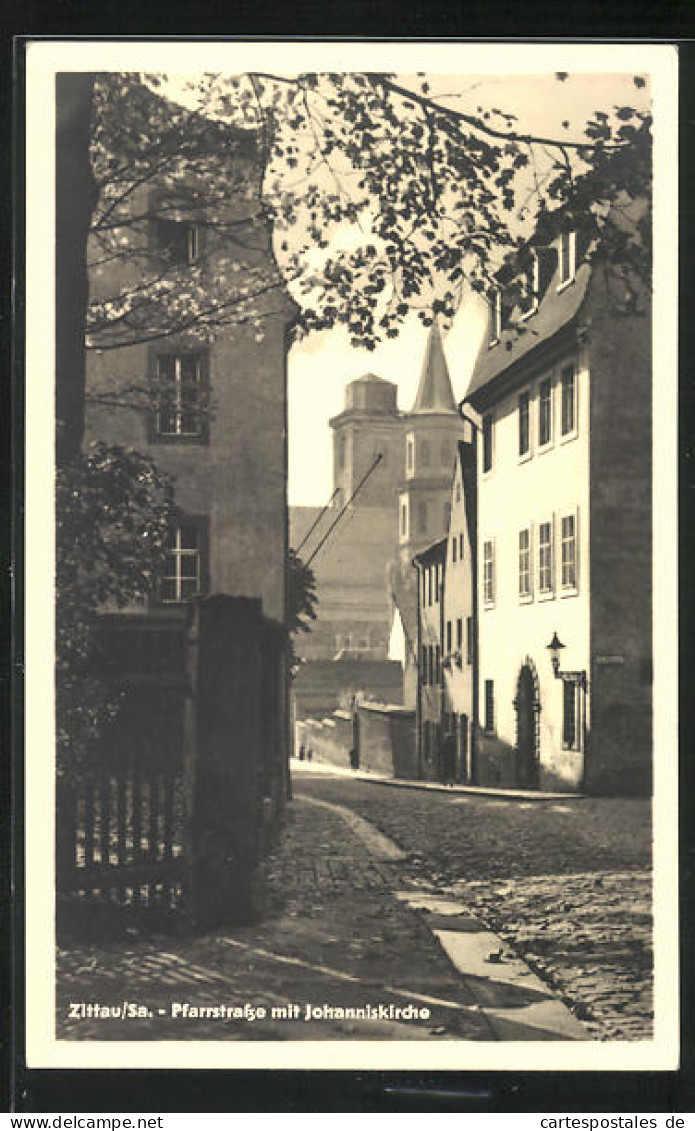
(351, 543)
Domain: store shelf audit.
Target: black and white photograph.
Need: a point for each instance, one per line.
(351, 717)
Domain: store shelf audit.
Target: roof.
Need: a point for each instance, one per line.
(371, 379)
(555, 312)
(431, 553)
(404, 598)
(435, 393)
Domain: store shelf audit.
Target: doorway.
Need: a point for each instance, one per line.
(528, 706)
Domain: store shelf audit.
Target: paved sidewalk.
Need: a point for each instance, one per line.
(355, 945)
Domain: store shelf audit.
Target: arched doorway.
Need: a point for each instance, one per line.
(528, 706)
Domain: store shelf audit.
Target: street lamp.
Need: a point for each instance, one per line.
(554, 648)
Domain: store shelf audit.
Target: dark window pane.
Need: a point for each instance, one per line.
(168, 590)
(189, 538)
(487, 443)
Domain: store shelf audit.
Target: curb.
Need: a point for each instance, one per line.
(434, 787)
(514, 1001)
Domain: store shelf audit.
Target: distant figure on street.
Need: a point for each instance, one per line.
(309, 753)
(449, 758)
(301, 753)
(354, 759)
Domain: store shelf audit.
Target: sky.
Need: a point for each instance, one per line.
(321, 365)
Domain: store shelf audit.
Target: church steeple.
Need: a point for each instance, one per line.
(435, 393)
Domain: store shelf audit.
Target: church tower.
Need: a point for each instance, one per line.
(432, 428)
(370, 425)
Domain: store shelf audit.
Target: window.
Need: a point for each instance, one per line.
(178, 240)
(437, 664)
(447, 515)
(437, 582)
(180, 396)
(545, 412)
(459, 634)
(404, 520)
(454, 548)
(429, 585)
(423, 664)
(495, 316)
(448, 638)
(545, 557)
(342, 445)
(570, 714)
(422, 518)
(425, 453)
(569, 401)
(487, 442)
(184, 567)
(525, 563)
(489, 705)
(410, 453)
(470, 642)
(568, 254)
(530, 283)
(461, 547)
(445, 454)
(457, 493)
(488, 573)
(524, 424)
(569, 551)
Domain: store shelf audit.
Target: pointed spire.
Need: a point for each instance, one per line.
(434, 391)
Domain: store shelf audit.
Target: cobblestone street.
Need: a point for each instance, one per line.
(335, 934)
(566, 883)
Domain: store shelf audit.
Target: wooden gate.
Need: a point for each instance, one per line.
(120, 815)
(179, 800)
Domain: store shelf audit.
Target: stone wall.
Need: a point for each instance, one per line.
(383, 733)
(619, 754)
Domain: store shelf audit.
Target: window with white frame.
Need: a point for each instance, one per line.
(568, 257)
(524, 405)
(545, 557)
(488, 440)
(568, 540)
(568, 414)
(422, 517)
(180, 396)
(545, 412)
(425, 453)
(183, 575)
(525, 563)
(489, 572)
